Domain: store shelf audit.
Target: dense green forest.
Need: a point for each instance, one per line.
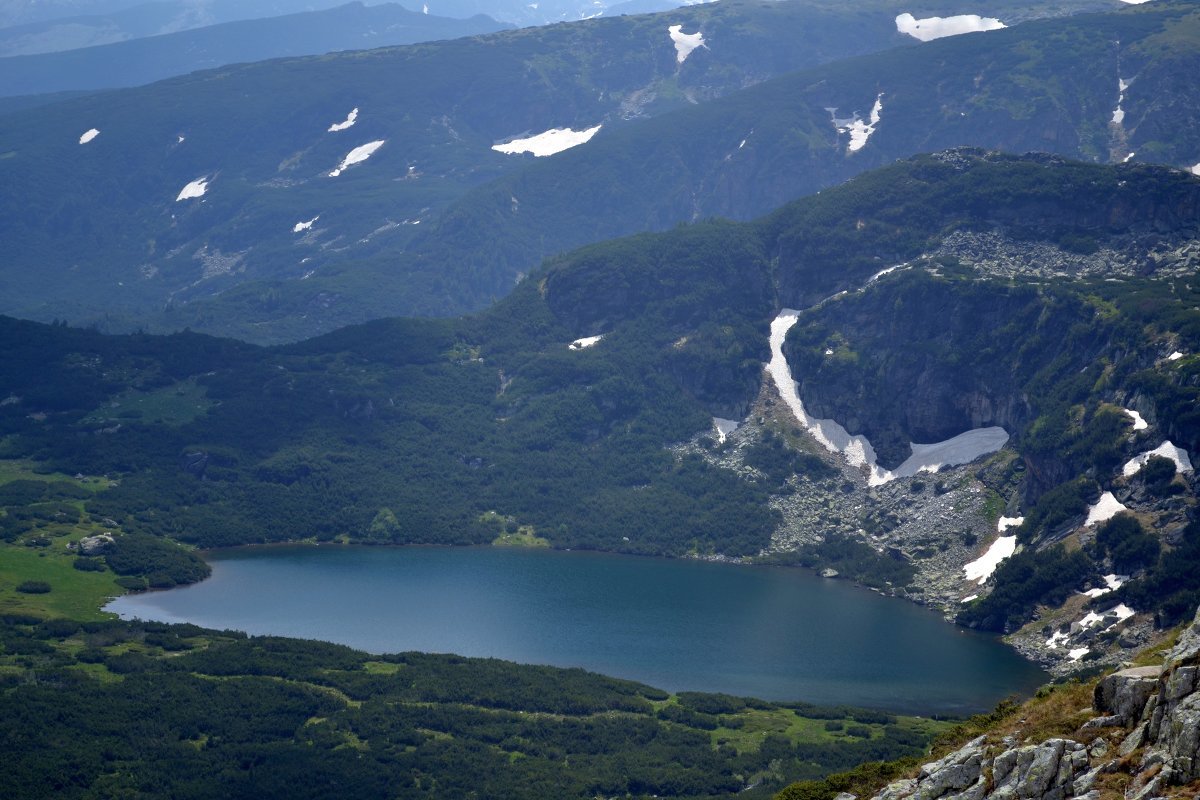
(115, 708)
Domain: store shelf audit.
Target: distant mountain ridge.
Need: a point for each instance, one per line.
(368, 252)
(352, 26)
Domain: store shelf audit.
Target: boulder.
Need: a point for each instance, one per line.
(1045, 771)
(95, 545)
(1123, 695)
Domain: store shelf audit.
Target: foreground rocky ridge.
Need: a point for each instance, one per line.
(1145, 744)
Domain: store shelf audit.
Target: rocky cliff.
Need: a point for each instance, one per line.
(1141, 741)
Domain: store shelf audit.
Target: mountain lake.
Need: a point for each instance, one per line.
(771, 632)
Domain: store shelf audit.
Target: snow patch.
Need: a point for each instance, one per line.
(860, 132)
(1105, 509)
(969, 598)
(351, 118)
(1008, 522)
(1055, 638)
(1166, 450)
(357, 156)
(1112, 583)
(1128, 158)
(1135, 2)
(195, 189)
(585, 342)
(1196, 168)
(982, 568)
(685, 43)
(1078, 653)
(725, 427)
(1177, 355)
(1139, 422)
(305, 226)
(857, 450)
(1118, 115)
(89, 135)
(932, 28)
(547, 143)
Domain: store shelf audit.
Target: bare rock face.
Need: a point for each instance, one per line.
(1123, 694)
(1173, 730)
(1046, 771)
(1158, 706)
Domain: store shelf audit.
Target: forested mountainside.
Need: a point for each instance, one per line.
(352, 26)
(282, 213)
(1036, 87)
(580, 410)
(101, 708)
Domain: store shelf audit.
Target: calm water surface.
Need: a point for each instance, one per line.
(775, 633)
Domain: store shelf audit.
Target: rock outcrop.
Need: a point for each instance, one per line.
(1153, 711)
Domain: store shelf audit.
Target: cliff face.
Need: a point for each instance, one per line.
(1145, 744)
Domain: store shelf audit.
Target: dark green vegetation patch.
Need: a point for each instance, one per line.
(227, 716)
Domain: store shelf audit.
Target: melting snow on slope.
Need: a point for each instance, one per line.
(1119, 113)
(725, 427)
(859, 131)
(685, 43)
(1122, 612)
(195, 189)
(351, 118)
(961, 449)
(585, 342)
(1008, 522)
(305, 226)
(357, 156)
(1178, 355)
(1166, 450)
(1105, 509)
(1139, 422)
(1112, 583)
(1055, 638)
(982, 568)
(89, 135)
(1078, 653)
(548, 142)
(932, 28)
(1196, 169)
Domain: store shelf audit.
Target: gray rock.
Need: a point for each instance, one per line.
(1134, 740)
(95, 545)
(846, 796)
(1124, 694)
(899, 790)
(1104, 722)
(829, 572)
(1043, 771)
(1085, 782)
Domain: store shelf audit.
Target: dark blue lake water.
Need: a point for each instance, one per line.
(775, 633)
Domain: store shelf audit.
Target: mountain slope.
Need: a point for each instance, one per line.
(414, 430)
(145, 60)
(1034, 87)
(121, 248)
